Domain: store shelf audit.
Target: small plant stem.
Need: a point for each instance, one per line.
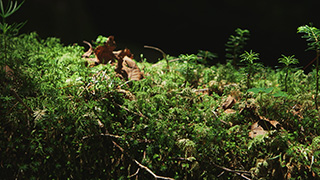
(317, 79)
(248, 81)
(317, 71)
(286, 80)
(163, 54)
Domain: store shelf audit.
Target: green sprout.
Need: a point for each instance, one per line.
(249, 59)
(235, 45)
(5, 13)
(8, 29)
(287, 61)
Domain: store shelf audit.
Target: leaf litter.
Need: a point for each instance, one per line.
(126, 67)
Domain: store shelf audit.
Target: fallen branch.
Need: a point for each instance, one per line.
(152, 173)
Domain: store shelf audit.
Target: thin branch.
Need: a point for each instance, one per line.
(163, 54)
(310, 63)
(238, 172)
(103, 128)
(173, 60)
(15, 94)
(152, 173)
(157, 49)
(136, 173)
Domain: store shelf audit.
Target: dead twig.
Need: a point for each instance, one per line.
(173, 60)
(103, 128)
(136, 173)
(149, 171)
(163, 54)
(238, 172)
(15, 94)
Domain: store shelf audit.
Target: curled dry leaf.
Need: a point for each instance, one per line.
(257, 131)
(229, 102)
(128, 94)
(8, 71)
(230, 111)
(262, 127)
(104, 53)
(126, 66)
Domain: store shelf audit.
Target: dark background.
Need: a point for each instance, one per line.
(177, 26)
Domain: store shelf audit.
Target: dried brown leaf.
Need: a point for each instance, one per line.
(104, 53)
(256, 132)
(89, 52)
(126, 67)
(263, 126)
(8, 71)
(230, 111)
(229, 102)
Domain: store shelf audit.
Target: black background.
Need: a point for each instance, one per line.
(177, 26)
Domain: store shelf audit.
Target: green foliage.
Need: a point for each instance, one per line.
(249, 59)
(260, 90)
(8, 30)
(63, 120)
(5, 13)
(206, 55)
(190, 71)
(311, 34)
(287, 60)
(235, 45)
(100, 40)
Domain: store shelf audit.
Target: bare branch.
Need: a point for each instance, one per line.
(152, 173)
(136, 173)
(103, 128)
(238, 172)
(163, 54)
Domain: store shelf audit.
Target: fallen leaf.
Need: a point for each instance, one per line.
(262, 127)
(256, 132)
(126, 67)
(229, 102)
(104, 53)
(8, 71)
(89, 52)
(91, 61)
(230, 111)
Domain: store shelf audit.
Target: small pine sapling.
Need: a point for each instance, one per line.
(8, 30)
(249, 59)
(311, 34)
(206, 55)
(235, 45)
(287, 61)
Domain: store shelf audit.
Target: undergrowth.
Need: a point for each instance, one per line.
(61, 119)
